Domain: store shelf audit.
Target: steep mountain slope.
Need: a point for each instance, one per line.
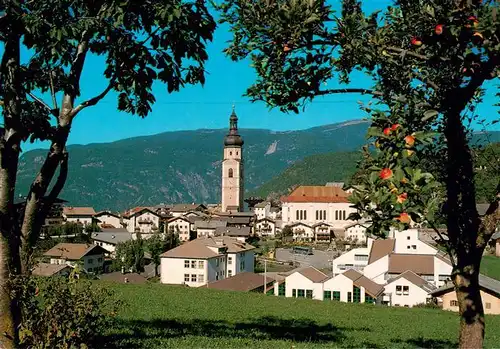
(183, 166)
(312, 170)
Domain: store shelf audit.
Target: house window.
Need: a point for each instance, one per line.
(186, 277)
(186, 264)
(305, 215)
(360, 257)
(453, 303)
(201, 278)
(301, 293)
(193, 264)
(407, 238)
(399, 290)
(408, 247)
(217, 262)
(369, 299)
(297, 214)
(230, 173)
(91, 261)
(344, 215)
(324, 214)
(242, 265)
(356, 294)
(414, 247)
(229, 260)
(327, 295)
(230, 153)
(229, 273)
(406, 290)
(309, 293)
(349, 297)
(317, 215)
(99, 260)
(488, 305)
(294, 292)
(444, 277)
(193, 277)
(201, 264)
(282, 290)
(336, 295)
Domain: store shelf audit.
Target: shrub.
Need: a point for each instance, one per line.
(63, 313)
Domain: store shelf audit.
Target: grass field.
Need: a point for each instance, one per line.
(159, 316)
(490, 266)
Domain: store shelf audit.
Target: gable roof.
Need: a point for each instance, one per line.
(299, 223)
(199, 248)
(209, 224)
(111, 237)
(381, 248)
(317, 193)
(262, 204)
(137, 211)
(312, 274)
(422, 264)
(246, 281)
(73, 252)
(232, 231)
(359, 280)
(266, 219)
(47, 269)
(78, 211)
(107, 213)
(416, 280)
(183, 218)
(485, 282)
(186, 207)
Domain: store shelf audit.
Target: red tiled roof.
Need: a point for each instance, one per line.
(317, 194)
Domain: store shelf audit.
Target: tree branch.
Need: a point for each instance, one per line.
(412, 54)
(43, 104)
(93, 100)
(362, 91)
(53, 90)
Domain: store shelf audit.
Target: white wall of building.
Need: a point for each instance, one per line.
(180, 226)
(298, 281)
(409, 297)
(262, 212)
(334, 213)
(81, 220)
(109, 219)
(356, 259)
(407, 242)
(442, 271)
(216, 268)
(174, 271)
(356, 233)
(302, 232)
(265, 228)
(377, 271)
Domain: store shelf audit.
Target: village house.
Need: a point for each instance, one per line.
(181, 209)
(265, 227)
(109, 238)
(141, 219)
(204, 260)
(108, 219)
(305, 283)
(262, 209)
(302, 232)
(323, 232)
(47, 269)
(356, 259)
(205, 228)
(356, 232)
(490, 295)
(407, 290)
(89, 257)
(80, 215)
(183, 226)
(239, 233)
(352, 287)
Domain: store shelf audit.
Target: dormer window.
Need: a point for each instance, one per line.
(230, 173)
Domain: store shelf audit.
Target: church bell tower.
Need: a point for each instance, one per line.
(232, 168)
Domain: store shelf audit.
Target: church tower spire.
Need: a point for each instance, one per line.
(232, 168)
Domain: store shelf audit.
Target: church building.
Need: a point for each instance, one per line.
(232, 169)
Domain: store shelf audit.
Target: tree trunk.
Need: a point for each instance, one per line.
(472, 323)
(10, 314)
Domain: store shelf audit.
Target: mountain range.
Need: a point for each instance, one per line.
(185, 166)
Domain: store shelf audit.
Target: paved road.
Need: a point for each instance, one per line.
(319, 259)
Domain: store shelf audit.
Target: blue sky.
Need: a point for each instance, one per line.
(209, 107)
